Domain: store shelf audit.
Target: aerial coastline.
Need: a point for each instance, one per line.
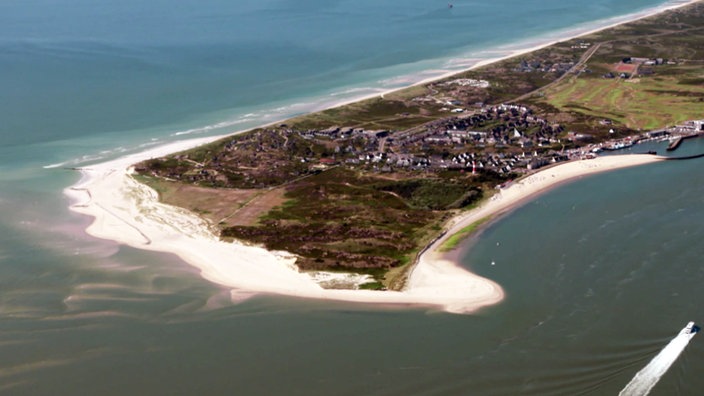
(131, 214)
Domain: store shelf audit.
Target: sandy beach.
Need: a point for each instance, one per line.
(129, 212)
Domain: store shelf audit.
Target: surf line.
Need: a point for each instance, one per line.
(646, 378)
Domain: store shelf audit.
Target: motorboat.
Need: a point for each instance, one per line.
(690, 329)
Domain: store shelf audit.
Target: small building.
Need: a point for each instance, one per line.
(327, 161)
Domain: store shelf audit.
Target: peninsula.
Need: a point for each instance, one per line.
(351, 196)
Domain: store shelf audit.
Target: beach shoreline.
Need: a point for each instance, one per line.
(129, 212)
(522, 191)
(571, 34)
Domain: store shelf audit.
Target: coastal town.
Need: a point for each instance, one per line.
(504, 139)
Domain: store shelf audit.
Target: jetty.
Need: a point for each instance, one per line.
(675, 144)
(678, 141)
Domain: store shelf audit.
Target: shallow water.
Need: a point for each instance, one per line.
(600, 274)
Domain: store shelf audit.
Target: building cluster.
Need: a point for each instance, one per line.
(505, 138)
(517, 141)
(632, 66)
(648, 61)
(534, 65)
(453, 143)
(689, 127)
(467, 82)
(499, 126)
(474, 162)
(581, 45)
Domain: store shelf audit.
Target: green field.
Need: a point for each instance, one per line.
(642, 103)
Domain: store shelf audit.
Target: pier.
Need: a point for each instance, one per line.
(675, 144)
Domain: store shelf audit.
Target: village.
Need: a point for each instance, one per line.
(510, 138)
(503, 139)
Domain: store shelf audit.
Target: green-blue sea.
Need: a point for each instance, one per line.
(600, 273)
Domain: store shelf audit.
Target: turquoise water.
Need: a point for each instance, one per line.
(599, 274)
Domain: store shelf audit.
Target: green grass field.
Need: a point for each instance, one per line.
(644, 103)
(454, 240)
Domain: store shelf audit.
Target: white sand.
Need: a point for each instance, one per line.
(129, 212)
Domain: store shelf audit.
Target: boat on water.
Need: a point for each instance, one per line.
(690, 330)
(617, 146)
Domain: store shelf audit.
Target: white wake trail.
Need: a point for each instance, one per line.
(646, 378)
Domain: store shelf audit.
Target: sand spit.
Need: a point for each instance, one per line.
(129, 212)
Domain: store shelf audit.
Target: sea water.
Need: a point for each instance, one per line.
(599, 273)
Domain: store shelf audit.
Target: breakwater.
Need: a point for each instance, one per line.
(675, 144)
(688, 157)
(678, 141)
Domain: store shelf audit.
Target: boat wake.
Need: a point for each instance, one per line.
(649, 376)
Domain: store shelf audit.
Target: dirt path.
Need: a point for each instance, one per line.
(587, 55)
